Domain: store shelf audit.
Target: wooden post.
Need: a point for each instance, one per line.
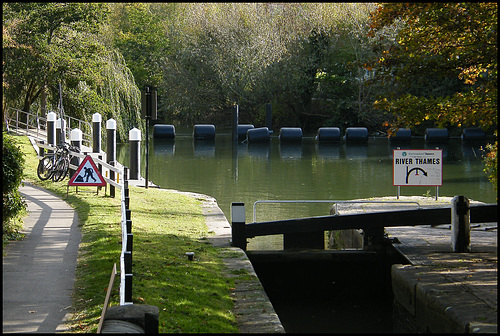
(238, 230)
(460, 224)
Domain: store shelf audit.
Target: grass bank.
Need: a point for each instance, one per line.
(193, 297)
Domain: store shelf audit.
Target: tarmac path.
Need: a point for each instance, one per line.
(39, 271)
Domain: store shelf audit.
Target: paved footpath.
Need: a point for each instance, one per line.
(39, 271)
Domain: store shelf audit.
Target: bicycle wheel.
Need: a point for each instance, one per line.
(61, 170)
(44, 170)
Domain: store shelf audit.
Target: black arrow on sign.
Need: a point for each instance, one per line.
(409, 172)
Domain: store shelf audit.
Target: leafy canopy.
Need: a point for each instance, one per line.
(440, 61)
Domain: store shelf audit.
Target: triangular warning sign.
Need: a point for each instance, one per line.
(87, 174)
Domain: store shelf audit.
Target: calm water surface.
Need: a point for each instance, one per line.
(307, 171)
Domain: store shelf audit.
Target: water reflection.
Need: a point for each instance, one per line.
(291, 151)
(204, 148)
(310, 171)
(259, 150)
(356, 151)
(163, 147)
(328, 150)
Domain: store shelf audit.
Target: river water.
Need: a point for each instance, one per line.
(306, 171)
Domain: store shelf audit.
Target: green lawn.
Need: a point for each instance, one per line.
(193, 296)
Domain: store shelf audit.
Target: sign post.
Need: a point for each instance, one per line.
(87, 174)
(148, 111)
(418, 167)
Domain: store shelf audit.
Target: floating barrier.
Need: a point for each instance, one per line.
(328, 134)
(163, 131)
(402, 134)
(242, 131)
(356, 134)
(260, 134)
(436, 135)
(473, 134)
(204, 132)
(290, 134)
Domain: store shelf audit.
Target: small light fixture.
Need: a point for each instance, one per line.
(190, 255)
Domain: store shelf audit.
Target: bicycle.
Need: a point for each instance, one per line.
(56, 165)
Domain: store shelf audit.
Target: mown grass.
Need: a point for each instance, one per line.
(193, 296)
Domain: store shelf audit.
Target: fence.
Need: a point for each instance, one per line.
(34, 125)
(372, 223)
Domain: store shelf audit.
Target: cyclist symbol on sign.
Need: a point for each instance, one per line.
(89, 173)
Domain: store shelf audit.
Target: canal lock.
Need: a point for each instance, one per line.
(330, 290)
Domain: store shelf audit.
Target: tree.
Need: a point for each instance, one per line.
(46, 43)
(50, 43)
(439, 63)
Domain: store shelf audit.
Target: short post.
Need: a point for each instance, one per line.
(60, 127)
(128, 287)
(76, 137)
(460, 224)
(236, 112)
(111, 151)
(41, 150)
(96, 133)
(51, 129)
(134, 138)
(238, 230)
(130, 241)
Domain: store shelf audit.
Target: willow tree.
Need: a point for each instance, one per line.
(50, 43)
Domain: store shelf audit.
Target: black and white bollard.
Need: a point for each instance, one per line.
(96, 133)
(238, 230)
(111, 151)
(51, 129)
(76, 137)
(60, 127)
(460, 224)
(134, 138)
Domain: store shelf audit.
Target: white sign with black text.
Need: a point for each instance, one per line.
(417, 167)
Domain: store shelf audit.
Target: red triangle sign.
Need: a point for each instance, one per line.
(90, 176)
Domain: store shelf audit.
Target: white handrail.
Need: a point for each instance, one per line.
(325, 201)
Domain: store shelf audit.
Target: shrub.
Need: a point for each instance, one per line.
(491, 162)
(13, 205)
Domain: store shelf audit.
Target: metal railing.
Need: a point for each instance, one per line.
(326, 201)
(33, 124)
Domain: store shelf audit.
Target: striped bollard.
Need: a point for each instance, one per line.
(134, 138)
(111, 151)
(96, 133)
(76, 137)
(51, 130)
(238, 230)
